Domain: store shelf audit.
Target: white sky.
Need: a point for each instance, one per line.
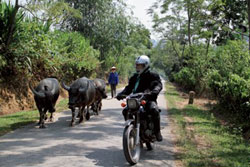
(139, 8)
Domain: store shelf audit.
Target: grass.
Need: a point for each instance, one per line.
(16, 120)
(202, 140)
(62, 105)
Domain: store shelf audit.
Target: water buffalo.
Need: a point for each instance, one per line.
(100, 94)
(81, 94)
(46, 95)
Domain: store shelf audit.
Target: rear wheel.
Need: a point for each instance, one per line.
(130, 149)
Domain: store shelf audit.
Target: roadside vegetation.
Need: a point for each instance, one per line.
(201, 139)
(67, 40)
(205, 48)
(19, 119)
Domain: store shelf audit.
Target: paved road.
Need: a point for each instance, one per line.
(97, 142)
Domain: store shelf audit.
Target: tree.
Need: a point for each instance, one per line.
(248, 11)
(50, 12)
(103, 21)
(8, 21)
(229, 19)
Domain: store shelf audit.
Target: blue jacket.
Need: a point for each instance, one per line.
(113, 78)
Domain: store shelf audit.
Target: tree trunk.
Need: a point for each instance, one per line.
(248, 11)
(189, 27)
(189, 13)
(172, 42)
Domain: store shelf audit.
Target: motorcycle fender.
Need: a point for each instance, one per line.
(129, 122)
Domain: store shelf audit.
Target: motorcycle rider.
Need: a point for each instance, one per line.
(145, 81)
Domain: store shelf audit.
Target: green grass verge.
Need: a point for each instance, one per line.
(208, 143)
(62, 105)
(16, 120)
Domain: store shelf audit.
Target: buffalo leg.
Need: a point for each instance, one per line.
(87, 113)
(94, 108)
(40, 113)
(42, 117)
(100, 105)
(51, 119)
(81, 113)
(73, 117)
(45, 117)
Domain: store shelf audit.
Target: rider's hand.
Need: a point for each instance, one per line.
(146, 95)
(120, 97)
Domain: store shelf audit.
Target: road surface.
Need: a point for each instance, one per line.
(95, 143)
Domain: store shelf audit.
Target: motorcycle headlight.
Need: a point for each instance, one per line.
(132, 104)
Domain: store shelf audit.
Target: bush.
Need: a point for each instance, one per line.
(230, 80)
(73, 56)
(225, 71)
(193, 69)
(186, 78)
(39, 53)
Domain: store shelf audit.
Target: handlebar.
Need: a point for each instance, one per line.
(136, 95)
(123, 96)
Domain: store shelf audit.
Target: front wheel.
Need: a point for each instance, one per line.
(130, 149)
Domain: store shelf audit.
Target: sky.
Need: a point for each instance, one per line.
(139, 8)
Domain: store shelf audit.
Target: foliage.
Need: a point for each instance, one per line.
(53, 12)
(6, 13)
(230, 80)
(186, 78)
(201, 139)
(188, 55)
(70, 40)
(230, 16)
(103, 22)
(40, 54)
(117, 36)
(74, 57)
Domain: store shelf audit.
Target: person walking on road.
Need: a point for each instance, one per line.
(113, 81)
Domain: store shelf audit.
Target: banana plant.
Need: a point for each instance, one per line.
(10, 18)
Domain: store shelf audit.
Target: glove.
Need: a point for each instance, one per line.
(146, 95)
(120, 96)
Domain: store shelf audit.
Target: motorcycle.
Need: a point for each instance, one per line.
(139, 128)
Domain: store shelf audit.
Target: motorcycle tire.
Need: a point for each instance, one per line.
(131, 150)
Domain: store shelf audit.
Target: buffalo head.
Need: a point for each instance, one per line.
(76, 95)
